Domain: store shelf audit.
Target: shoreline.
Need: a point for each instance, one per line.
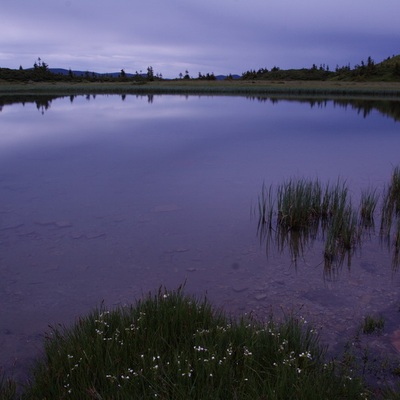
(324, 89)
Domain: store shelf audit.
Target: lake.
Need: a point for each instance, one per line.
(105, 198)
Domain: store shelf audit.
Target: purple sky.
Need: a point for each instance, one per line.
(220, 36)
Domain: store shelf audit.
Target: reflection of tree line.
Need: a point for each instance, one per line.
(389, 108)
(43, 102)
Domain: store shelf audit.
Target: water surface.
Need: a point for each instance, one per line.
(106, 198)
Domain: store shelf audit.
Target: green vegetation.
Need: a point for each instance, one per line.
(372, 324)
(304, 208)
(300, 211)
(369, 201)
(8, 388)
(387, 70)
(391, 203)
(390, 222)
(369, 71)
(260, 90)
(172, 346)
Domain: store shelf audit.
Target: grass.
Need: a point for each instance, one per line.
(369, 201)
(173, 346)
(8, 388)
(304, 208)
(372, 324)
(391, 203)
(240, 87)
(342, 235)
(390, 221)
(299, 211)
(299, 203)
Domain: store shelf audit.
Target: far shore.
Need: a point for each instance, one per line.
(324, 89)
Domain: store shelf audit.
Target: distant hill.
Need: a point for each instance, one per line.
(63, 71)
(223, 77)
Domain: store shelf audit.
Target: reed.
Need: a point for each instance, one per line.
(172, 346)
(391, 203)
(337, 198)
(8, 388)
(368, 203)
(265, 207)
(343, 234)
(373, 324)
(299, 204)
(305, 208)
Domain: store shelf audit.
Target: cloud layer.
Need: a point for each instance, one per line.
(227, 36)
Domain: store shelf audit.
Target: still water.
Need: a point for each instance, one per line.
(109, 197)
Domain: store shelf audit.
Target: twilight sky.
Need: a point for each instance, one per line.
(220, 36)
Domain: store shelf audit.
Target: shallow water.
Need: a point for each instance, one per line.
(107, 198)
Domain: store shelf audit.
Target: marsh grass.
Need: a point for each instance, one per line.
(342, 235)
(172, 346)
(299, 204)
(373, 324)
(390, 220)
(306, 209)
(300, 211)
(8, 388)
(317, 89)
(368, 204)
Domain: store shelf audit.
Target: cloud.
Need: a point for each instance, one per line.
(227, 36)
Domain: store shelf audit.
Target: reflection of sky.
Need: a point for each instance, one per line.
(257, 137)
(289, 132)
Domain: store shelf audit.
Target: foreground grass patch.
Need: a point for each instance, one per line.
(171, 346)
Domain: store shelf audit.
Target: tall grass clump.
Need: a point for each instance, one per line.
(391, 202)
(265, 208)
(368, 204)
(390, 215)
(342, 234)
(339, 223)
(299, 204)
(8, 387)
(172, 346)
(373, 324)
(305, 209)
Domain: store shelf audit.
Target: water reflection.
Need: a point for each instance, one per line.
(364, 107)
(389, 108)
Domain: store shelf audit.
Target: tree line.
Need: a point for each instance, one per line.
(388, 70)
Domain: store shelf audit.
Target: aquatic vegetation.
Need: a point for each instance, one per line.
(301, 211)
(373, 324)
(342, 235)
(299, 204)
(173, 346)
(390, 220)
(391, 203)
(368, 203)
(265, 207)
(304, 209)
(8, 388)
